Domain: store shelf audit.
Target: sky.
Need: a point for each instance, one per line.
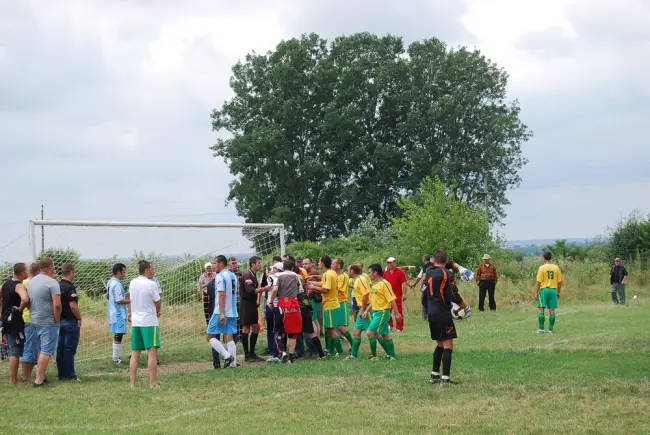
(106, 107)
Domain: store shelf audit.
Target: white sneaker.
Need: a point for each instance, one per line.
(274, 360)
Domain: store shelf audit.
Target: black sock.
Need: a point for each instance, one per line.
(318, 346)
(437, 359)
(253, 342)
(446, 362)
(244, 343)
(215, 359)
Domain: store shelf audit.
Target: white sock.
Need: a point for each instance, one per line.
(116, 351)
(445, 377)
(216, 345)
(232, 350)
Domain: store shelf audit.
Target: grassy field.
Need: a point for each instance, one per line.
(590, 377)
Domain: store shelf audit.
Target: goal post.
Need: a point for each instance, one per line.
(178, 251)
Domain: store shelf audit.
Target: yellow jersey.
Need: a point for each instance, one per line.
(27, 317)
(303, 273)
(361, 288)
(549, 276)
(329, 281)
(381, 295)
(343, 283)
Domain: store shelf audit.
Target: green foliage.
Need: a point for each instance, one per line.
(630, 239)
(324, 135)
(436, 219)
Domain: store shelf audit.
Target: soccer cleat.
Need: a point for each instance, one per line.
(117, 361)
(350, 358)
(273, 360)
(550, 332)
(228, 361)
(447, 381)
(540, 331)
(373, 358)
(255, 358)
(390, 358)
(434, 379)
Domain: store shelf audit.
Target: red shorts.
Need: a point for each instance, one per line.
(291, 318)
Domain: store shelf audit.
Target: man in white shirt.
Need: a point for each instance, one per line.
(145, 329)
(224, 317)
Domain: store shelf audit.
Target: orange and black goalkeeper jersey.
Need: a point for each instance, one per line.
(440, 292)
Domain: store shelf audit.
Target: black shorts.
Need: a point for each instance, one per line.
(307, 325)
(442, 329)
(248, 314)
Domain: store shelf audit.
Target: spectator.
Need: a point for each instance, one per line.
(397, 279)
(486, 279)
(70, 325)
(617, 278)
(14, 299)
(204, 279)
(30, 354)
(249, 314)
(145, 330)
(45, 311)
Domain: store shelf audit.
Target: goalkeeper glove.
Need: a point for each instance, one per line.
(465, 274)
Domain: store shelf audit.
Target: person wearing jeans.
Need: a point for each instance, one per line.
(70, 326)
(617, 278)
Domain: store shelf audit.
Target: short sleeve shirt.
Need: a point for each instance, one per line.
(68, 294)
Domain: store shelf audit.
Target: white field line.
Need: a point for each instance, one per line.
(580, 337)
(169, 419)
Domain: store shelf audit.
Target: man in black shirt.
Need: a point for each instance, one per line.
(70, 326)
(617, 278)
(14, 299)
(440, 294)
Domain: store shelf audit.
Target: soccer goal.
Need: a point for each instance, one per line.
(178, 251)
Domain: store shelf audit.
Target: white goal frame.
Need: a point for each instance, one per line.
(72, 223)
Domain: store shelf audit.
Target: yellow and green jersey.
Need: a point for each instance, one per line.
(381, 295)
(330, 281)
(361, 288)
(343, 284)
(27, 317)
(549, 276)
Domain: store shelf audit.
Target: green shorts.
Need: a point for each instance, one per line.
(330, 318)
(379, 322)
(362, 324)
(316, 307)
(145, 337)
(343, 314)
(547, 298)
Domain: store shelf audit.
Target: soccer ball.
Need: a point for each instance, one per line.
(459, 313)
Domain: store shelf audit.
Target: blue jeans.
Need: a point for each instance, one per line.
(67, 349)
(270, 339)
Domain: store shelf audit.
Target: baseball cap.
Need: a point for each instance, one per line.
(390, 260)
(278, 266)
(205, 266)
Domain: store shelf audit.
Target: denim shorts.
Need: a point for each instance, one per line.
(47, 336)
(30, 353)
(13, 348)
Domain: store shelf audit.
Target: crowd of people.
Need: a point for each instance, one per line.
(303, 301)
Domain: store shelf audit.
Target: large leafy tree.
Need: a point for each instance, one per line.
(322, 135)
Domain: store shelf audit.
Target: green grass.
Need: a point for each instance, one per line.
(590, 377)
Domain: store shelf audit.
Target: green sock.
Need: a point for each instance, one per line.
(390, 345)
(348, 337)
(356, 342)
(338, 345)
(383, 344)
(540, 320)
(329, 344)
(551, 322)
(373, 345)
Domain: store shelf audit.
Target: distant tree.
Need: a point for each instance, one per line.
(324, 135)
(435, 219)
(630, 238)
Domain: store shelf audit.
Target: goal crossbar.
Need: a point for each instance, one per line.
(72, 223)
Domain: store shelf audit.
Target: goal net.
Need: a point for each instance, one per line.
(178, 251)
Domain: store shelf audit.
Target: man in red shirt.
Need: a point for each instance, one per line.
(397, 279)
